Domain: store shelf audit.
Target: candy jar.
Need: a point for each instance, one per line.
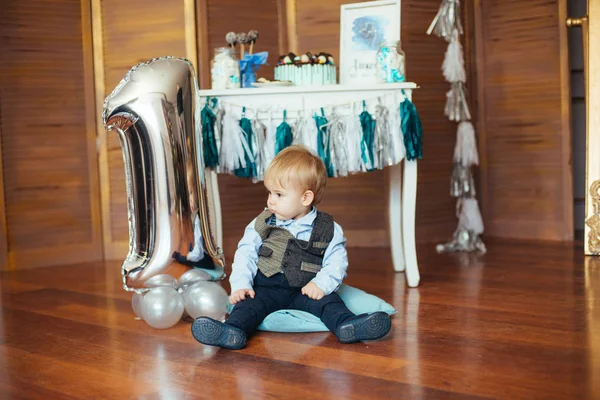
(390, 63)
(225, 69)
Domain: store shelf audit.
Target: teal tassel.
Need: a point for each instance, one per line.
(410, 123)
(250, 170)
(283, 135)
(367, 124)
(209, 142)
(323, 148)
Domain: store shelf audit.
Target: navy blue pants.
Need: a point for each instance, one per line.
(274, 293)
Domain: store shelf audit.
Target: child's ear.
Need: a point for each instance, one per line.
(307, 198)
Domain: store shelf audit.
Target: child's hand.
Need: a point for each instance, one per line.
(313, 291)
(240, 295)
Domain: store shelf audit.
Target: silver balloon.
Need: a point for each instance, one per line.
(161, 280)
(136, 304)
(193, 276)
(206, 299)
(162, 307)
(156, 112)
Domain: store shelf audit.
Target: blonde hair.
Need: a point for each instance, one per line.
(300, 168)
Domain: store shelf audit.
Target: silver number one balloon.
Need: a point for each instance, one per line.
(155, 110)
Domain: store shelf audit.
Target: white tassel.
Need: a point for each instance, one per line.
(305, 133)
(232, 145)
(465, 151)
(384, 146)
(469, 216)
(259, 130)
(269, 144)
(397, 136)
(219, 112)
(454, 63)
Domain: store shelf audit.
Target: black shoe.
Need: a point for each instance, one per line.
(214, 333)
(364, 327)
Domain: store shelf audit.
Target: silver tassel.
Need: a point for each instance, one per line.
(470, 227)
(447, 19)
(383, 146)
(337, 145)
(457, 108)
(258, 144)
(462, 240)
(461, 182)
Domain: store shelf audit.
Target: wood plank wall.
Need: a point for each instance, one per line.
(128, 33)
(48, 138)
(524, 121)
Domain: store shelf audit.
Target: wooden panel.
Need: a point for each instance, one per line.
(50, 175)
(524, 119)
(129, 33)
(318, 28)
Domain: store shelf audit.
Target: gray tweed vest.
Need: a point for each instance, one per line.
(299, 260)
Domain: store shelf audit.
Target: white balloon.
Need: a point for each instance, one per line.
(136, 304)
(192, 276)
(162, 307)
(161, 280)
(206, 299)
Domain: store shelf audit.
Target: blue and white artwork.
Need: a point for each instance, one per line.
(368, 32)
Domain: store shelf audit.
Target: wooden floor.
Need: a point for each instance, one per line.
(522, 322)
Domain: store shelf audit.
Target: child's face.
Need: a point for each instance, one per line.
(288, 202)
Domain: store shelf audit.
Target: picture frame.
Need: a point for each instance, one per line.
(363, 26)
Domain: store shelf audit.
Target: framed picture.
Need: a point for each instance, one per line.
(364, 26)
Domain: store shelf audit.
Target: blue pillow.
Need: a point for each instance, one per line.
(215, 273)
(357, 301)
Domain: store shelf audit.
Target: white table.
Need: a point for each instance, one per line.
(402, 182)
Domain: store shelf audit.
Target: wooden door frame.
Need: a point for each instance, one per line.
(3, 233)
(592, 166)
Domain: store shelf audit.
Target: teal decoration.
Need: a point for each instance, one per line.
(250, 170)
(410, 123)
(209, 142)
(367, 124)
(323, 148)
(283, 135)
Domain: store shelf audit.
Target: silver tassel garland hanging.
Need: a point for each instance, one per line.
(353, 137)
(453, 66)
(457, 108)
(446, 20)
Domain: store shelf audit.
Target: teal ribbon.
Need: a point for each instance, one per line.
(323, 147)
(283, 135)
(250, 170)
(367, 124)
(410, 123)
(209, 141)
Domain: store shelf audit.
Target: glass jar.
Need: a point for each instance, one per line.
(390, 63)
(225, 69)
